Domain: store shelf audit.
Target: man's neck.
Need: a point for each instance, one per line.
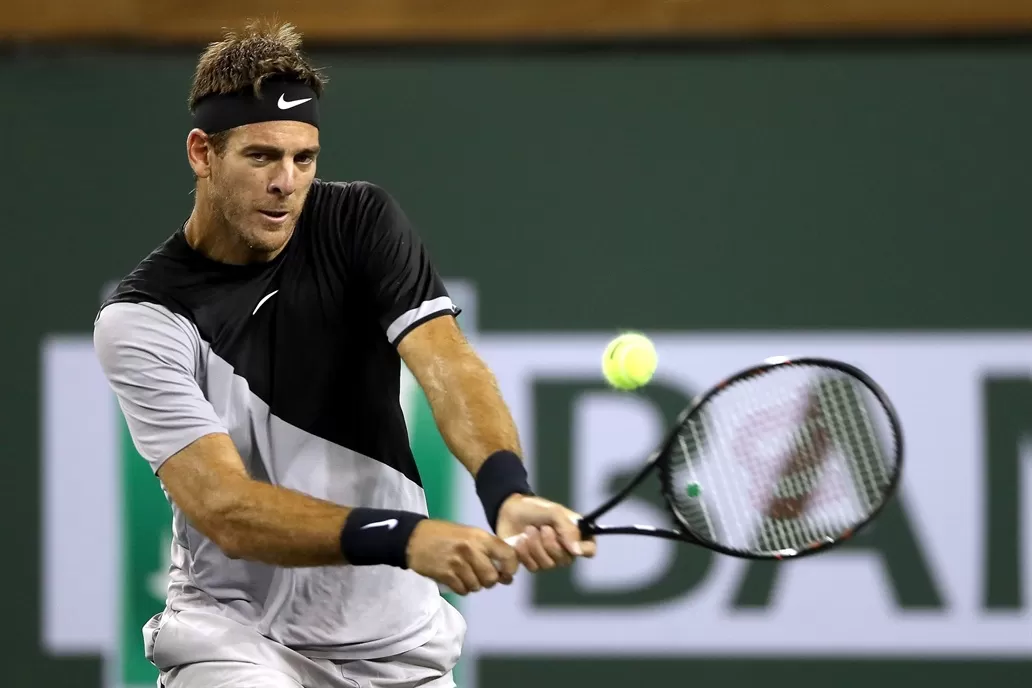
(209, 235)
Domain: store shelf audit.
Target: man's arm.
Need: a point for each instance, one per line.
(412, 305)
(463, 393)
(476, 425)
(246, 518)
(148, 354)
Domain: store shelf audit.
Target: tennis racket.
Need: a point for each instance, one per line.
(784, 459)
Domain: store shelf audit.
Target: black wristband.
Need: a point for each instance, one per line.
(500, 477)
(378, 536)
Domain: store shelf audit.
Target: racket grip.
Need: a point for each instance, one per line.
(585, 530)
(514, 540)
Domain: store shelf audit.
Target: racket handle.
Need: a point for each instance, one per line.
(514, 540)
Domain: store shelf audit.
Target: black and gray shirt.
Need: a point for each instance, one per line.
(296, 360)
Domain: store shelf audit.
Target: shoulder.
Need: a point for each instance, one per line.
(154, 280)
(124, 330)
(346, 193)
(348, 205)
(134, 317)
(350, 219)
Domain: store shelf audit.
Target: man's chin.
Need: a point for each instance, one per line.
(266, 239)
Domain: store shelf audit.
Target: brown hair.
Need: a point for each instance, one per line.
(246, 58)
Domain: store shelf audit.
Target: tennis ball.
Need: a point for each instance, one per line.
(629, 361)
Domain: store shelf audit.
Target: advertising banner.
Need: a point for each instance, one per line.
(944, 571)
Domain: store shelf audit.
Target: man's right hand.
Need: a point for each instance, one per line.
(461, 557)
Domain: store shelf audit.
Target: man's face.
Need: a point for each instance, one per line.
(259, 185)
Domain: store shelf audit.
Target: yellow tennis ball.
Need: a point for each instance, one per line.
(629, 361)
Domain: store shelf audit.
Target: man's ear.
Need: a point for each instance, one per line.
(198, 153)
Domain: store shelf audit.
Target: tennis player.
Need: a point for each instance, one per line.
(256, 357)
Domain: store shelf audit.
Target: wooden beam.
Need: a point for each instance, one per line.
(475, 20)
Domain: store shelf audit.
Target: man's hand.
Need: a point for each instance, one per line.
(464, 558)
(552, 536)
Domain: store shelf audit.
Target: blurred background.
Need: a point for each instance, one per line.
(737, 178)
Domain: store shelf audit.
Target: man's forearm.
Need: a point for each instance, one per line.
(274, 525)
(278, 526)
(249, 519)
(470, 413)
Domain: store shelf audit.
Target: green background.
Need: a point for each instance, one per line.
(729, 187)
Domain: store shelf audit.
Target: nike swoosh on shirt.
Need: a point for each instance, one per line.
(264, 299)
(390, 523)
(285, 104)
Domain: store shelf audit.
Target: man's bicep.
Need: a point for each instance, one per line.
(148, 358)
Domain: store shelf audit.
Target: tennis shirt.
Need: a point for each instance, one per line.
(296, 360)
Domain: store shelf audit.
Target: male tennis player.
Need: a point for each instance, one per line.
(256, 357)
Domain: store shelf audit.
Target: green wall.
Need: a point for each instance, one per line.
(734, 188)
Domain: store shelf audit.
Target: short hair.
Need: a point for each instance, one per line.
(244, 59)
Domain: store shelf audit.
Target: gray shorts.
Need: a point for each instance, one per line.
(264, 663)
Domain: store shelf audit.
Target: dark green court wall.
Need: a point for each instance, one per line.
(854, 187)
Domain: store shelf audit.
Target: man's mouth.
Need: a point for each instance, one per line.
(275, 215)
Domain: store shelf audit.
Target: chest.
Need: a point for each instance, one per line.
(305, 349)
(289, 336)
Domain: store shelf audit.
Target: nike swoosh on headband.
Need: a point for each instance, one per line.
(285, 104)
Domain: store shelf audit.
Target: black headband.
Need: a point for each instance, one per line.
(278, 100)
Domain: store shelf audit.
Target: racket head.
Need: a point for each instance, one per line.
(784, 459)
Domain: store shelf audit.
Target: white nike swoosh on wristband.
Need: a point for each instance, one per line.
(390, 523)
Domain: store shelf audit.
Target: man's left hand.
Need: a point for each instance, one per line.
(552, 539)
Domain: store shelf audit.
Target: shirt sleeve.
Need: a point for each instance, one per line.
(149, 356)
(404, 284)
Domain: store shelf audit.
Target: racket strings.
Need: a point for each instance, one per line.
(782, 460)
(783, 527)
(858, 460)
(820, 522)
(697, 512)
(878, 464)
(724, 500)
(822, 431)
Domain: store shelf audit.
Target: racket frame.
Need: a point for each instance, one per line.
(682, 531)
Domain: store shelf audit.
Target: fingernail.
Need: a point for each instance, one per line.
(577, 549)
